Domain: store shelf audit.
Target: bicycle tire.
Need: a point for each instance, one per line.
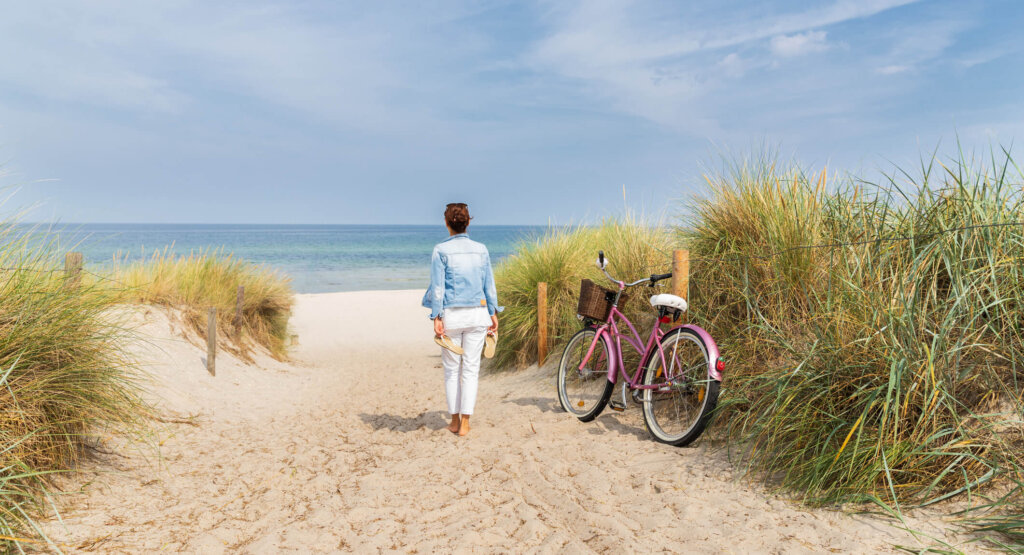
(573, 399)
(694, 382)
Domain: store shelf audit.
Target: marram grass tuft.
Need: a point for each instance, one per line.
(64, 373)
(562, 258)
(196, 282)
(874, 332)
(64, 378)
(885, 365)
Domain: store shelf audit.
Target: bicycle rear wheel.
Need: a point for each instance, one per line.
(584, 393)
(678, 412)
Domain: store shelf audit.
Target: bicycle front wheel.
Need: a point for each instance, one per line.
(678, 411)
(584, 389)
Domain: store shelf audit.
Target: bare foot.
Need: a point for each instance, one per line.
(464, 425)
(454, 426)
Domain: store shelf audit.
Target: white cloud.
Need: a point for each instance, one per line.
(349, 67)
(641, 60)
(272, 91)
(380, 68)
(732, 65)
(893, 69)
(925, 44)
(81, 66)
(799, 44)
(986, 55)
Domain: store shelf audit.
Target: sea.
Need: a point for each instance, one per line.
(317, 258)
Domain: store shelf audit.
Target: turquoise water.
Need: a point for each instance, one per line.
(318, 258)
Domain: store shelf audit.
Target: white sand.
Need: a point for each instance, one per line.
(345, 450)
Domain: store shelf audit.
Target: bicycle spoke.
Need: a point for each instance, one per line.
(580, 390)
(677, 405)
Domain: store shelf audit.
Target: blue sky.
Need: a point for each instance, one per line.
(381, 112)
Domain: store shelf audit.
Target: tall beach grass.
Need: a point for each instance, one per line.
(562, 257)
(884, 366)
(64, 371)
(64, 377)
(873, 331)
(198, 281)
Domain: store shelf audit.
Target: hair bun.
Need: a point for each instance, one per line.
(457, 217)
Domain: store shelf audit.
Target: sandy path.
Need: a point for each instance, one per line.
(345, 450)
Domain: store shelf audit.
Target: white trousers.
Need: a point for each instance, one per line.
(461, 373)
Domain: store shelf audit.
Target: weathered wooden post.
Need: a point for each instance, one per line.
(211, 342)
(239, 302)
(681, 274)
(73, 268)
(542, 323)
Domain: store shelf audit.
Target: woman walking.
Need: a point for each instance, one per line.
(463, 304)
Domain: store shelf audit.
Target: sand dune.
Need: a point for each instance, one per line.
(344, 449)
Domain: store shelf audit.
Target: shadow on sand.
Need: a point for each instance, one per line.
(545, 404)
(432, 420)
(609, 422)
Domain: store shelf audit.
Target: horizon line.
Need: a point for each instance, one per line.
(275, 224)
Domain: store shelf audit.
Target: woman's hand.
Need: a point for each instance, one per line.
(438, 326)
(494, 324)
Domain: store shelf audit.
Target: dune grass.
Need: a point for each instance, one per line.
(64, 373)
(1001, 521)
(882, 366)
(561, 258)
(198, 281)
(64, 377)
(885, 369)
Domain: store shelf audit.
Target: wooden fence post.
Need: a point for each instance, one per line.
(73, 267)
(681, 274)
(681, 277)
(211, 342)
(542, 323)
(238, 309)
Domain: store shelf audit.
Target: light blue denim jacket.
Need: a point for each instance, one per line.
(460, 275)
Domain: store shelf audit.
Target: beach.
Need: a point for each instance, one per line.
(221, 218)
(343, 448)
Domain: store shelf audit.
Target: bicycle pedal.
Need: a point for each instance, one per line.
(615, 405)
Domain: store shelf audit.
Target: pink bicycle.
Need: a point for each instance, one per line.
(676, 381)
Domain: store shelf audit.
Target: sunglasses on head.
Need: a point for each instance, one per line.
(458, 204)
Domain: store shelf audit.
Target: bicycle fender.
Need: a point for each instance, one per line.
(712, 347)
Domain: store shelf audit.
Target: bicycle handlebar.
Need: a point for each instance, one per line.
(655, 278)
(603, 264)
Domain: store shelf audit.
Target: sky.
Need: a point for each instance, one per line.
(531, 112)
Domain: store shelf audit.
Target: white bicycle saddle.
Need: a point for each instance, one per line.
(670, 301)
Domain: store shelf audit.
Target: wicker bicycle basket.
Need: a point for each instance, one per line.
(595, 301)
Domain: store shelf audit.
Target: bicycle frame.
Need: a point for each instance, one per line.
(616, 365)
